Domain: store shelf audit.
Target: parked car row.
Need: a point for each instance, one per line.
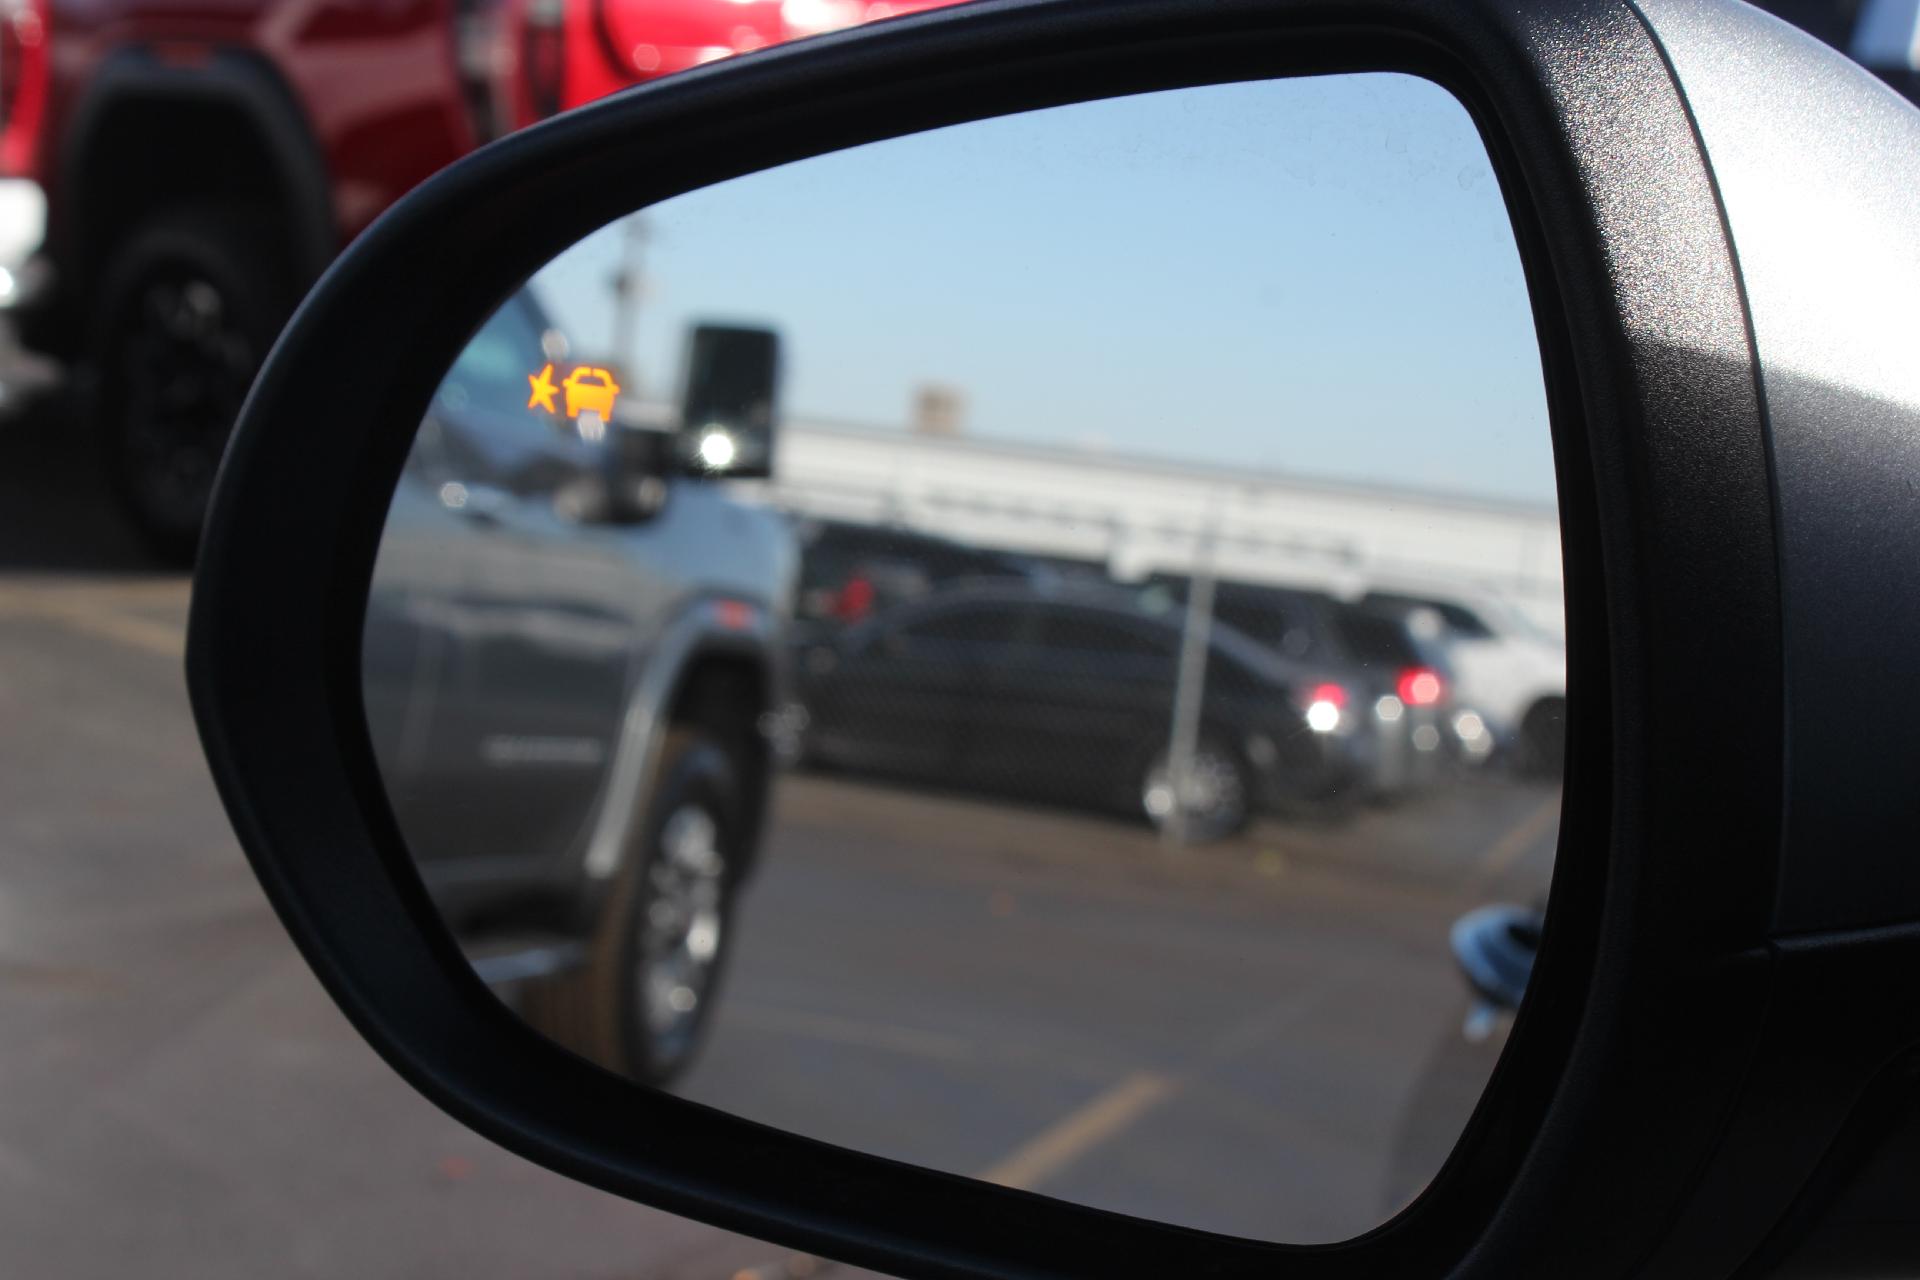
(924, 658)
(1404, 684)
(1064, 693)
(1511, 674)
(850, 572)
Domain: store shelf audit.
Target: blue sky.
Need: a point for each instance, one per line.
(1313, 275)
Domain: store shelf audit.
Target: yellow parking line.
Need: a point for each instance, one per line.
(140, 633)
(151, 635)
(87, 607)
(1067, 1139)
(25, 591)
(1031, 1163)
(1507, 850)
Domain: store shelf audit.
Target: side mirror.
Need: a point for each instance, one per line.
(1729, 960)
(726, 428)
(628, 479)
(729, 401)
(1495, 949)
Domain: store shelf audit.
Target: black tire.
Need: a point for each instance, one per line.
(191, 302)
(1229, 776)
(1543, 739)
(602, 1011)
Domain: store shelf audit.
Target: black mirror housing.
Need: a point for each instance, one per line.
(729, 403)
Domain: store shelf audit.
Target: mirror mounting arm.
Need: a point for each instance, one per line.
(627, 484)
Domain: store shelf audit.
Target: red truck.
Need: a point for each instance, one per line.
(175, 173)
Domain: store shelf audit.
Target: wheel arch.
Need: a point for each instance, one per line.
(727, 690)
(123, 157)
(700, 669)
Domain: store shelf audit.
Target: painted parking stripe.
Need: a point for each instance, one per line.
(1078, 1132)
(1521, 837)
(166, 639)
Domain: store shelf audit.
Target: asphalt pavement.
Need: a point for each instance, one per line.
(1259, 1037)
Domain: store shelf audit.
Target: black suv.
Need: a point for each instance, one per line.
(1068, 694)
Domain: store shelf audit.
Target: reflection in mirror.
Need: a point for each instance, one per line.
(1012, 648)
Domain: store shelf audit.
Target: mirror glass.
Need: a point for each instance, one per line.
(1028, 648)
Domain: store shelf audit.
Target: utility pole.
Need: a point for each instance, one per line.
(1190, 682)
(628, 283)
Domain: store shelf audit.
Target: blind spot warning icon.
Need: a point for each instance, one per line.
(543, 389)
(591, 390)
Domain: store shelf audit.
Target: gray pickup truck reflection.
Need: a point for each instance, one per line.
(571, 649)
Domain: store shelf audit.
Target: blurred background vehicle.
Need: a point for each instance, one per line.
(574, 51)
(570, 648)
(1400, 681)
(1064, 695)
(1415, 704)
(851, 571)
(1510, 674)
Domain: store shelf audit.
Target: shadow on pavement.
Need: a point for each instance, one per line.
(55, 512)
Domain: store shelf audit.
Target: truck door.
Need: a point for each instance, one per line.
(542, 630)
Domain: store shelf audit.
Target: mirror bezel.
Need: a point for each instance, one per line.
(1659, 898)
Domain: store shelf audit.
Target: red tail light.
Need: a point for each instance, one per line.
(1333, 693)
(23, 82)
(1420, 686)
(1322, 704)
(856, 600)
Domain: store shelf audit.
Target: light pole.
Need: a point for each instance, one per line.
(1190, 683)
(628, 283)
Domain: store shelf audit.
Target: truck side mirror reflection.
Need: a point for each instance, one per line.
(729, 398)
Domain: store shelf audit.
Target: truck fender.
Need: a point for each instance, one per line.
(708, 625)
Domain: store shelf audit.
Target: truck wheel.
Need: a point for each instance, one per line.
(192, 301)
(643, 1000)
